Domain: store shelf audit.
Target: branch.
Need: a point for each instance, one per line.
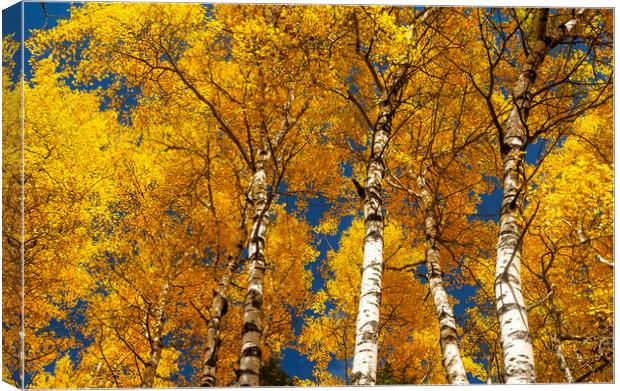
(207, 320)
(538, 303)
(406, 267)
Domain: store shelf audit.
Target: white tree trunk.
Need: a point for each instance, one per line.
(364, 371)
(515, 335)
(250, 357)
(448, 337)
(150, 369)
(562, 363)
(219, 308)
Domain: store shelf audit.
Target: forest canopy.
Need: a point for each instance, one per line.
(245, 195)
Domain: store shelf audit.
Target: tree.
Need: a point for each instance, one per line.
(267, 134)
(407, 337)
(570, 245)
(12, 237)
(198, 180)
(533, 114)
(377, 89)
(65, 184)
(431, 168)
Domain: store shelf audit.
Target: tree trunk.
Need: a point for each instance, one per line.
(556, 316)
(364, 371)
(219, 308)
(515, 335)
(250, 357)
(448, 337)
(150, 369)
(562, 363)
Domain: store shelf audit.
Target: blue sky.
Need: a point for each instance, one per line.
(11, 19)
(294, 363)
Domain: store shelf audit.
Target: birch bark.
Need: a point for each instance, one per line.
(150, 369)
(557, 320)
(448, 337)
(364, 371)
(250, 357)
(562, 363)
(515, 335)
(219, 308)
(365, 356)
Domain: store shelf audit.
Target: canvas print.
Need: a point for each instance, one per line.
(200, 195)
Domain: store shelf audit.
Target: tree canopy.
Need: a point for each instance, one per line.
(222, 195)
